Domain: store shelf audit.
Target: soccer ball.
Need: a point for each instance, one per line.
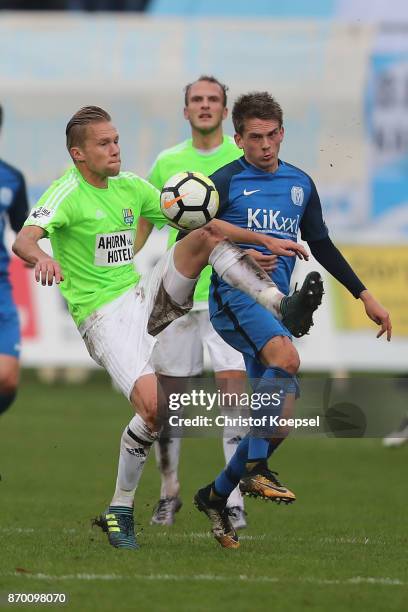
(189, 200)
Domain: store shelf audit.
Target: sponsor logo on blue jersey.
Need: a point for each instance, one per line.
(272, 220)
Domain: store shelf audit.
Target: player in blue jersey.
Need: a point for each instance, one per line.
(14, 206)
(262, 193)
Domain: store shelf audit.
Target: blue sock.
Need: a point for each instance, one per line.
(228, 479)
(276, 383)
(257, 449)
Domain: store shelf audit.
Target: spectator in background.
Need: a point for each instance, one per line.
(14, 206)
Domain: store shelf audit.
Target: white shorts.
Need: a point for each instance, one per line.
(180, 347)
(120, 336)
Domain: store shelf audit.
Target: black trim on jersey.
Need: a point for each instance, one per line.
(222, 181)
(328, 255)
(231, 315)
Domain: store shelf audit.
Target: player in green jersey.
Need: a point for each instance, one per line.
(208, 149)
(90, 216)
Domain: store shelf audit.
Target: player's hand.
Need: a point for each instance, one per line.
(287, 248)
(267, 262)
(47, 270)
(377, 313)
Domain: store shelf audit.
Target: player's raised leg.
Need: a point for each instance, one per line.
(211, 244)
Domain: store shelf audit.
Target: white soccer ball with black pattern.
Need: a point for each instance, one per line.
(189, 200)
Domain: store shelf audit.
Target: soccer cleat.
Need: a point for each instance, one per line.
(261, 482)
(164, 511)
(399, 436)
(297, 309)
(118, 523)
(237, 517)
(222, 529)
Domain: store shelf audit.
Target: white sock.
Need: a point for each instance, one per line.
(135, 445)
(241, 272)
(167, 456)
(230, 446)
(179, 287)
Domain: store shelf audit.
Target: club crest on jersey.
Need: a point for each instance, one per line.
(297, 195)
(128, 216)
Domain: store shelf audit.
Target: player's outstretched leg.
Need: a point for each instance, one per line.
(137, 438)
(297, 309)
(216, 511)
(241, 272)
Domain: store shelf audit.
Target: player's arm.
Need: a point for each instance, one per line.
(277, 246)
(26, 247)
(328, 255)
(315, 232)
(18, 210)
(144, 229)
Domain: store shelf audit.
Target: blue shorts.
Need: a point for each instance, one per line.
(244, 324)
(9, 323)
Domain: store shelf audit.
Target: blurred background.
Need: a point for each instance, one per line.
(340, 72)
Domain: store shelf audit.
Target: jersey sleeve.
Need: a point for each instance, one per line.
(312, 225)
(50, 213)
(150, 208)
(222, 185)
(18, 210)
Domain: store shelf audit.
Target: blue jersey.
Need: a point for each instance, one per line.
(279, 204)
(13, 204)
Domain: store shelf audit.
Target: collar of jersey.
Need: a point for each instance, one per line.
(85, 182)
(256, 170)
(213, 151)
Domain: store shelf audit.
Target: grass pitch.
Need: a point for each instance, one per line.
(341, 546)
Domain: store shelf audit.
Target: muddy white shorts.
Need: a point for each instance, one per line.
(180, 347)
(120, 335)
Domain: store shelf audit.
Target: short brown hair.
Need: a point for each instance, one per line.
(209, 79)
(75, 127)
(255, 105)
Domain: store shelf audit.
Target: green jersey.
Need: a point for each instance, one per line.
(92, 233)
(185, 157)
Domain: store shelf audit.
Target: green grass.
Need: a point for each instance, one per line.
(58, 453)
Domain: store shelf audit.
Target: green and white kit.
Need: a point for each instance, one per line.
(92, 232)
